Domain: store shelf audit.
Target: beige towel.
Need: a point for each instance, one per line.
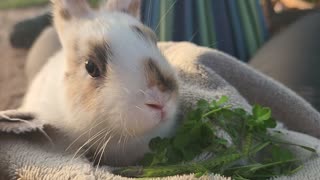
(204, 73)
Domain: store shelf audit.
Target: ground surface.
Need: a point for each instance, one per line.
(12, 79)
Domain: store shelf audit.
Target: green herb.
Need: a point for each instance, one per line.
(249, 153)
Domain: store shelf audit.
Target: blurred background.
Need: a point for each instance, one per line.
(278, 37)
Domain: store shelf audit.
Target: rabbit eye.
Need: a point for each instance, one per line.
(92, 69)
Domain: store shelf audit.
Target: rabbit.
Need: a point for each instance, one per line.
(108, 91)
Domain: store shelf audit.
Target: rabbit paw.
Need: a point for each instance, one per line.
(16, 121)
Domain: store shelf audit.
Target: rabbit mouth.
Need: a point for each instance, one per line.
(157, 108)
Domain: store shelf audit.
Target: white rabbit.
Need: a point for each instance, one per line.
(109, 90)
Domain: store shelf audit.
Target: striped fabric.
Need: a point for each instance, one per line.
(235, 27)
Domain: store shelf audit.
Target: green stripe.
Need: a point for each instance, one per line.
(247, 27)
(210, 21)
(202, 23)
(255, 21)
(252, 23)
(166, 19)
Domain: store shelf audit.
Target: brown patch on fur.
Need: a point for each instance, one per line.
(84, 92)
(65, 14)
(134, 8)
(145, 33)
(157, 78)
(99, 54)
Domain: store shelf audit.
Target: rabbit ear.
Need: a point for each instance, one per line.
(68, 10)
(16, 121)
(132, 7)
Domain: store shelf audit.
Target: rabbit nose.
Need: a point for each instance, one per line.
(156, 100)
(155, 106)
(158, 108)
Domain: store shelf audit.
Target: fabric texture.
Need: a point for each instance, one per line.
(203, 74)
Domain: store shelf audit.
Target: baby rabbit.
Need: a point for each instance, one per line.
(109, 90)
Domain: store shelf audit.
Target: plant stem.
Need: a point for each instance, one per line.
(170, 170)
(216, 110)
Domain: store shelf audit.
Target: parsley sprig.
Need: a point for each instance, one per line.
(248, 151)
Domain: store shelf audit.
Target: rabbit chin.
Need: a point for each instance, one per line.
(129, 147)
(126, 146)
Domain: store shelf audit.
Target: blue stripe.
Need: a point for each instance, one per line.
(237, 27)
(188, 19)
(262, 22)
(155, 15)
(222, 27)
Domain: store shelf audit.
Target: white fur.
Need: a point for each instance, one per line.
(120, 108)
(45, 94)
(115, 4)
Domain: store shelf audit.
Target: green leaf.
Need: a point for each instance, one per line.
(194, 115)
(261, 113)
(159, 144)
(202, 104)
(281, 154)
(271, 123)
(147, 160)
(222, 101)
(174, 155)
(160, 158)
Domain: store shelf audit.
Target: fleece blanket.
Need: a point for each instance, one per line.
(203, 73)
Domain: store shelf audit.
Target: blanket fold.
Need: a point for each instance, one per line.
(203, 74)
